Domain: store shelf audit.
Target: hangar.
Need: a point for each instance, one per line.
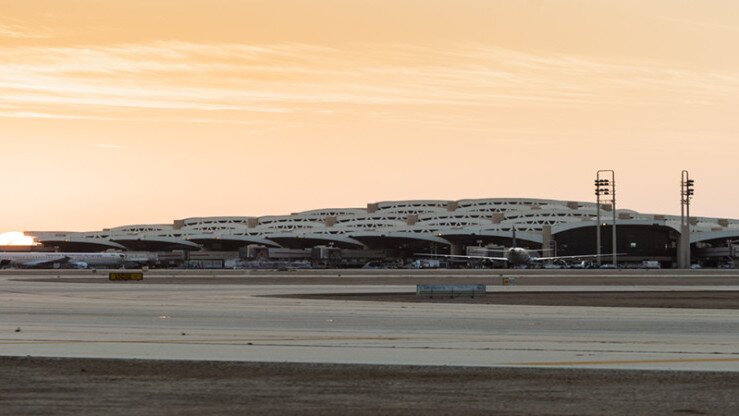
(402, 228)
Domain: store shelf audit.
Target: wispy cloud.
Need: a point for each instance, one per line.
(22, 32)
(236, 82)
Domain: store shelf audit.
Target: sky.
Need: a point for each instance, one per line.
(146, 111)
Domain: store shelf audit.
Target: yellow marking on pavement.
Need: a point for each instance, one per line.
(607, 362)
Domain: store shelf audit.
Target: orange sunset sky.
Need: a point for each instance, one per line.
(144, 111)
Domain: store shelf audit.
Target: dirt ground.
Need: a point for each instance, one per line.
(43, 386)
(687, 299)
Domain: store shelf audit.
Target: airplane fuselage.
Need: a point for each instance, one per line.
(82, 260)
(518, 256)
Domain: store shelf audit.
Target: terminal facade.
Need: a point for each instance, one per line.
(399, 230)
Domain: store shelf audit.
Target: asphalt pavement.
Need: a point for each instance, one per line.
(224, 320)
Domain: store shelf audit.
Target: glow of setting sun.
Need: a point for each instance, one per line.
(15, 239)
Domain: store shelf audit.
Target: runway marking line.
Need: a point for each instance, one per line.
(607, 362)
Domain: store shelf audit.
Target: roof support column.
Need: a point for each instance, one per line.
(546, 245)
(455, 249)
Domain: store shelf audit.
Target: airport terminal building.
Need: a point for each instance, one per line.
(400, 229)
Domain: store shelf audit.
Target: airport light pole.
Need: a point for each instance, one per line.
(606, 188)
(686, 194)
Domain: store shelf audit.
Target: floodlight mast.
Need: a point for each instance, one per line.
(686, 194)
(605, 187)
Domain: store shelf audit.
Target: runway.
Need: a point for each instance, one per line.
(224, 321)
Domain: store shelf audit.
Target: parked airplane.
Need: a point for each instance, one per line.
(77, 260)
(519, 256)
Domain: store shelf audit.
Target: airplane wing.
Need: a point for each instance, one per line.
(44, 262)
(582, 256)
(463, 257)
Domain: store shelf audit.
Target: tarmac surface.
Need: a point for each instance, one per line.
(229, 316)
(222, 320)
